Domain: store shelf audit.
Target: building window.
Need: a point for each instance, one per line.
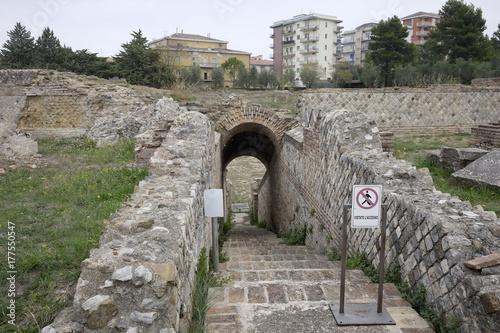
(326, 36)
(298, 70)
(177, 59)
(298, 25)
(326, 24)
(326, 58)
(326, 47)
(298, 37)
(298, 47)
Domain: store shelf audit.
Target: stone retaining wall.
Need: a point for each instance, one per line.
(430, 234)
(140, 279)
(436, 110)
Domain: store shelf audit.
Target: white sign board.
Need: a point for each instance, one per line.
(366, 204)
(214, 203)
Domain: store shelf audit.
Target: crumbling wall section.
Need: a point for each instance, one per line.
(429, 234)
(140, 279)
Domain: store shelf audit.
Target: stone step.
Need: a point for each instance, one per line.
(276, 288)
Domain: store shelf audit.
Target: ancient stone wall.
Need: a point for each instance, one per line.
(47, 103)
(140, 279)
(429, 235)
(435, 110)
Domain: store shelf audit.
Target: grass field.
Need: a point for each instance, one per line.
(51, 217)
(414, 149)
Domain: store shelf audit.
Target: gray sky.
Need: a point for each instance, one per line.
(102, 26)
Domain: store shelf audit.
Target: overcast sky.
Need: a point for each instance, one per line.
(102, 26)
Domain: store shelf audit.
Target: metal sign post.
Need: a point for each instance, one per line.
(214, 208)
(366, 198)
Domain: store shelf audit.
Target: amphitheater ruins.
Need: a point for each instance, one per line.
(149, 248)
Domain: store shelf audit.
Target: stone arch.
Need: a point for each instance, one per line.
(252, 131)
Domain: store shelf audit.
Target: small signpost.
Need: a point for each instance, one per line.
(366, 206)
(367, 212)
(214, 208)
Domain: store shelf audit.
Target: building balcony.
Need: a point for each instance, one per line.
(311, 39)
(308, 62)
(426, 24)
(419, 42)
(271, 46)
(311, 27)
(288, 42)
(288, 55)
(289, 65)
(204, 65)
(271, 35)
(287, 32)
(271, 56)
(422, 33)
(309, 51)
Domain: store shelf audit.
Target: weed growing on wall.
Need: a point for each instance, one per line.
(294, 237)
(205, 279)
(416, 297)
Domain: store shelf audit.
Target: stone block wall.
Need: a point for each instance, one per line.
(429, 234)
(140, 279)
(436, 110)
(488, 134)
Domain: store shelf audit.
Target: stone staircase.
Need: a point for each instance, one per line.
(280, 288)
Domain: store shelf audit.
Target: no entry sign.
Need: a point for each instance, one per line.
(366, 203)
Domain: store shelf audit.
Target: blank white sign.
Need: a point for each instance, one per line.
(214, 203)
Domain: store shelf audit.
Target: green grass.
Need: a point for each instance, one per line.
(58, 209)
(414, 150)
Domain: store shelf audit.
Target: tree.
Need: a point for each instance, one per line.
(48, 51)
(141, 66)
(389, 47)
(309, 74)
(267, 79)
(191, 76)
(459, 34)
(218, 78)
(287, 79)
(243, 77)
(253, 76)
(17, 52)
(495, 41)
(230, 66)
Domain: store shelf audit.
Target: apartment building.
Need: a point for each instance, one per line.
(306, 39)
(355, 44)
(185, 50)
(420, 24)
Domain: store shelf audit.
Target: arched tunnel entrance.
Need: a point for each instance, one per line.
(249, 139)
(246, 140)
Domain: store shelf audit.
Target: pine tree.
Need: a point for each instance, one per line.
(48, 51)
(390, 48)
(17, 52)
(459, 33)
(141, 66)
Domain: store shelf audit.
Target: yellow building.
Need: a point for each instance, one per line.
(185, 50)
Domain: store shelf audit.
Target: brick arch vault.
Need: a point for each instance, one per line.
(252, 131)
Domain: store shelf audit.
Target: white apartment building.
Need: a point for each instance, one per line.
(306, 39)
(355, 44)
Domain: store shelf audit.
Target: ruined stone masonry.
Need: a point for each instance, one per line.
(140, 278)
(430, 234)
